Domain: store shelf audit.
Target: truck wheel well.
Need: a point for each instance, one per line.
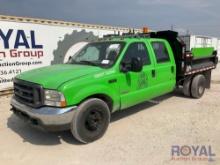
(103, 97)
(207, 75)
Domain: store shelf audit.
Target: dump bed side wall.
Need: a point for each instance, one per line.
(202, 52)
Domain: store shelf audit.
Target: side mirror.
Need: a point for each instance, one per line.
(136, 64)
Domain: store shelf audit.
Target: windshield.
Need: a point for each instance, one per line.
(103, 54)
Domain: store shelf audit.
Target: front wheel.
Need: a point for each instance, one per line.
(91, 120)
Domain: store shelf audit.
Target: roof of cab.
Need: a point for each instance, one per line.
(128, 39)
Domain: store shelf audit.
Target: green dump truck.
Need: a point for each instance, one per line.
(108, 75)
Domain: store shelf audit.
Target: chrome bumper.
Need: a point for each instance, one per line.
(46, 117)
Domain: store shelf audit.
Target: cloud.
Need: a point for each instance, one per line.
(191, 4)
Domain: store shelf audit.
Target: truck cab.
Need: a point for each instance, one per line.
(105, 76)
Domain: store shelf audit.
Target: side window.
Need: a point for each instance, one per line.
(161, 52)
(137, 50)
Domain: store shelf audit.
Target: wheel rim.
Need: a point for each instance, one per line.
(201, 90)
(93, 120)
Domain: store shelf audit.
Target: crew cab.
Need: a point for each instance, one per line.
(109, 75)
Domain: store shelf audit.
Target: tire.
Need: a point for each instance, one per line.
(91, 120)
(186, 86)
(198, 86)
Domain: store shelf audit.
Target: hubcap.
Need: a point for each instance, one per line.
(201, 89)
(93, 120)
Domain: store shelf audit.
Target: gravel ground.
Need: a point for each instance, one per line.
(142, 134)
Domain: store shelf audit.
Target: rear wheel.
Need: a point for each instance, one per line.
(186, 86)
(91, 120)
(198, 86)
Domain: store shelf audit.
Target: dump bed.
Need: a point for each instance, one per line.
(188, 61)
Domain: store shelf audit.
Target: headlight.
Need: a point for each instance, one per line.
(54, 98)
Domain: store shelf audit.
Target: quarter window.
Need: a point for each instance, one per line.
(161, 52)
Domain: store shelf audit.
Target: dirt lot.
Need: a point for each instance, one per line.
(143, 134)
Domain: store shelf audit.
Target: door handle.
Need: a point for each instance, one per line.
(172, 69)
(112, 81)
(153, 72)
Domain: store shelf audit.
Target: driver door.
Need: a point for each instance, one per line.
(136, 87)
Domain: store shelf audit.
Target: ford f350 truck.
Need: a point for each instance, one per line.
(108, 75)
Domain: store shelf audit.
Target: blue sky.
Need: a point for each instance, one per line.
(197, 16)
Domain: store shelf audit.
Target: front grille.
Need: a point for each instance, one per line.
(28, 93)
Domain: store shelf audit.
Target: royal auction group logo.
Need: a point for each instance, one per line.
(19, 44)
(192, 153)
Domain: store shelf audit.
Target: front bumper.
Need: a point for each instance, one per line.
(49, 118)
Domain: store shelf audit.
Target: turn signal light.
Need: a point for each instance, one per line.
(62, 103)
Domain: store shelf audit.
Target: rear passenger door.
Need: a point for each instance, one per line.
(164, 73)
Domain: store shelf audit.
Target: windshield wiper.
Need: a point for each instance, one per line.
(88, 62)
(84, 62)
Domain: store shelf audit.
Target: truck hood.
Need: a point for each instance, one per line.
(52, 77)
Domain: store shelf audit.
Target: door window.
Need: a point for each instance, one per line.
(137, 50)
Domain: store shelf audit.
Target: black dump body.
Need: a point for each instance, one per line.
(185, 63)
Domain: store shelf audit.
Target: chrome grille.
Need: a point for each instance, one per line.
(28, 93)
